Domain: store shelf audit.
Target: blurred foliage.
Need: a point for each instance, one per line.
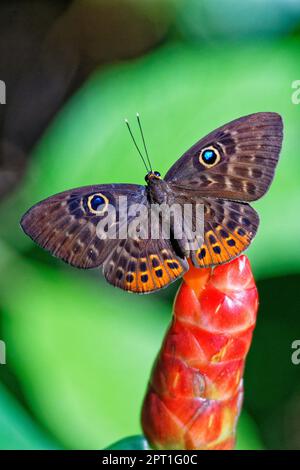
(272, 385)
(82, 351)
(236, 19)
(17, 429)
(59, 329)
(248, 436)
(47, 50)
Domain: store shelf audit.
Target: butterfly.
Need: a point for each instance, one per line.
(224, 171)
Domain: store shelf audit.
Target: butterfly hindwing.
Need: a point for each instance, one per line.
(144, 265)
(236, 161)
(229, 228)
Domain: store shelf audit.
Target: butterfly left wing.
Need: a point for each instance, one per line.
(66, 223)
(144, 266)
(236, 161)
(66, 226)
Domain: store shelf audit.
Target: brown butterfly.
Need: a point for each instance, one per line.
(223, 171)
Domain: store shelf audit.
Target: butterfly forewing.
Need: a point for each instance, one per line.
(247, 150)
(66, 224)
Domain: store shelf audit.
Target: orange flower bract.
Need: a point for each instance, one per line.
(196, 387)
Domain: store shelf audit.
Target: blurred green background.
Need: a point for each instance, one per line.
(79, 352)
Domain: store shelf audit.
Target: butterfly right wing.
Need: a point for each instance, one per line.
(229, 228)
(245, 154)
(247, 151)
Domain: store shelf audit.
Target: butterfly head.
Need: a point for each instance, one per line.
(152, 175)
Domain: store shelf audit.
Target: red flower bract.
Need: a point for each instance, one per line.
(196, 387)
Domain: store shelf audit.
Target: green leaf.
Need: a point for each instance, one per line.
(130, 443)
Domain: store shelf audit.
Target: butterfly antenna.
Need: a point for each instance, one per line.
(136, 145)
(144, 143)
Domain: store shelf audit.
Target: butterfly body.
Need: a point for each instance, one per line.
(221, 173)
(158, 190)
